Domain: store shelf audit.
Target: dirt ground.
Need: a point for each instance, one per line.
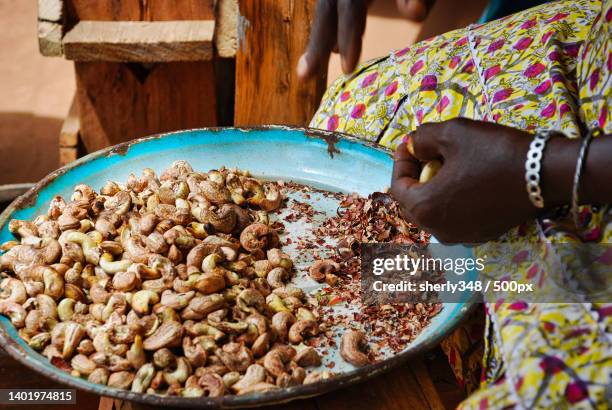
(36, 91)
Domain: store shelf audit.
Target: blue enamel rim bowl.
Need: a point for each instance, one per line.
(326, 160)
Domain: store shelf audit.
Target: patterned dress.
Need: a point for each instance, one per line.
(549, 67)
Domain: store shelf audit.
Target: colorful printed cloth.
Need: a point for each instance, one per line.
(549, 67)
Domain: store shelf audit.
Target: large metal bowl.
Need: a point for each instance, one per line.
(325, 160)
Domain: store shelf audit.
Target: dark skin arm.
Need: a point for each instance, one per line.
(479, 193)
(339, 26)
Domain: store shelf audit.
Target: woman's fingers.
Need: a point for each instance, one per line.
(415, 10)
(322, 39)
(405, 165)
(406, 170)
(351, 26)
(427, 141)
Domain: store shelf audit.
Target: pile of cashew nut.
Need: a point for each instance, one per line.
(166, 285)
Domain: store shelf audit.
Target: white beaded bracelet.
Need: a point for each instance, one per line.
(533, 165)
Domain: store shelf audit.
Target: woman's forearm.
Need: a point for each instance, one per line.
(559, 166)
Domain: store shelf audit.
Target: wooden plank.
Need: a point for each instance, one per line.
(143, 100)
(51, 10)
(226, 28)
(130, 41)
(398, 389)
(69, 134)
(426, 384)
(444, 380)
(138, 10)
(106, 403)
(50, 38)
(267, 87)
(308, 404)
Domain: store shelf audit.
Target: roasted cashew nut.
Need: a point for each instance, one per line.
(13, 290)
(275, 361)
(169, 334)
(250, 300)
(23, 229)
(65, 309)
(15, 312)
(275, 303)
(321, 268)
(301, 327)
(212, 385)
(136, 355)
(89, 246)
(261, 345)
(279, 258)
(83, 364)
(180, 374)
(73, 333)
(121, 380)
(39, 341)
(135, 247)
(99, 376)
(194, 352)
(277, 277)
(142, 300)
(305, 314)
(125, 281)
(196, 255)
(308, 357)
(262, 267)
(224, 220)
(281, 322)
(109, 266)
(203, 329)
(430, 169)
(143, 378)
(289, 290)
(209, 282)
(351, 348)
(258, 237)
(254, 374)
(216, 193)
(235, 356)
(200, 306)
(268, 198)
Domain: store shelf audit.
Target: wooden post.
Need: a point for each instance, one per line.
(271, 37)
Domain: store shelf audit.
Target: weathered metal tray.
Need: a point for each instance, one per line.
(329, 161)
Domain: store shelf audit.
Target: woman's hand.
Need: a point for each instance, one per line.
(479, 193)
(339, 26)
